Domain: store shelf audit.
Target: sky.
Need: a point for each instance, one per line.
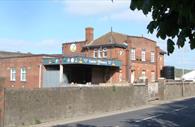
(41, 26)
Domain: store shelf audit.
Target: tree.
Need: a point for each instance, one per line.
(172, 19)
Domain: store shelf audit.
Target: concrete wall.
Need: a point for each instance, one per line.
(175, 90)
(23, 107)
(27, 106)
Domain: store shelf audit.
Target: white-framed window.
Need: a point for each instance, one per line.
(100, 52)
(13, 74)
(105, 52)
(95, 53)
(133, 54)
(143, 55)
(23, 74)
(152, 76)
(152, 57)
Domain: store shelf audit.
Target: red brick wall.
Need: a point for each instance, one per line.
(30, 63)
(66, 48)
(138, 66)
(161, 63)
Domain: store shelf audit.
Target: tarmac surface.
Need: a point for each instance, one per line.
(180, 113)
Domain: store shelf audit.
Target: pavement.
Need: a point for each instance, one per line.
(174, 113)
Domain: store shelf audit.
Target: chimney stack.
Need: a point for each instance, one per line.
(89, 34)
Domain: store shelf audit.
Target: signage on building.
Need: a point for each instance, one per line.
(81, 60)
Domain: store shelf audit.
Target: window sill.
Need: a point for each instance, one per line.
(23, 81)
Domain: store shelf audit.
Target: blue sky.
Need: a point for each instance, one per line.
(41, 26)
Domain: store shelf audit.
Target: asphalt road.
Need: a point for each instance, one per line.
(177, 114)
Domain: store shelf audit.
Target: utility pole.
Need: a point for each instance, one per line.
(182, 74)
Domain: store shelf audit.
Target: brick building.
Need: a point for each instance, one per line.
(22, 71)
(111, 58)
(140, 57)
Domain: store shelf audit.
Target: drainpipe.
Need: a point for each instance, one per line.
(128, 66)
(40, 75)
(129, 59)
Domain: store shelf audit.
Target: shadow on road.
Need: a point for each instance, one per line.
(177, 114)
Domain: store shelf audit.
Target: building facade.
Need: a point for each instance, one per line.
(22, 71)
(141, 58)
(111, 58)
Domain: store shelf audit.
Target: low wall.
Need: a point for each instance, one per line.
(174, 90)
(23, 107)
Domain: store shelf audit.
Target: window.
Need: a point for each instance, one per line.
(143, 76)
(143, 73)
(152, 76)
(143, 55)
(95, 53)
(152, 57)
(100, 53)
(23, 74)
(105, 52)
(132, 54)
(13, 74)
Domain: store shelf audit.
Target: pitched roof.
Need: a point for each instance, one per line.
(110, 39)
(113, 39)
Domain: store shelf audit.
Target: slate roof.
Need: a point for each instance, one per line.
(113, 39)
(109, 39)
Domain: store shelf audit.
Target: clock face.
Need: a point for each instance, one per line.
(73, 47)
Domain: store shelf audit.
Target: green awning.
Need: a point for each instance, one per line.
(82, 60)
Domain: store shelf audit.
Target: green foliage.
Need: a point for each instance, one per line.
(170, 45)
(37, 121)
(172, 18)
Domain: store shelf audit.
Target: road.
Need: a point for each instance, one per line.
(176, 114)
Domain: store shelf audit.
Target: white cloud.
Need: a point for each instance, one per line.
(128, 15)
(94, 7)
(105, 10)
(44, 46)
